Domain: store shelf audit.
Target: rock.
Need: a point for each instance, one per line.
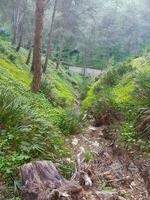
(75, 142)
(117, 169)
(104, 195)
(92, 128)
(108, 176)
(100, 133)
(132, 168)
(95, 144)
(121, 198)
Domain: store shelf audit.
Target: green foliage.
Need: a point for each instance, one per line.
(31, 125)
(106, 187)
(124, 88)
(30, 135)
(71, 121)
(142, 87)
(10, 108)
(143, 123)
(88, 155)
(12, 58)
(67, 169)
(127, 132)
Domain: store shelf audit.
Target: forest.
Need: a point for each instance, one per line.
(74, 100)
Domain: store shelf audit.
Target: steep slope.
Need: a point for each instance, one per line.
(120, 94)
(31, 124)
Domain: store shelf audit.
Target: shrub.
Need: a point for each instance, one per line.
(142, 87)
(143, 124)
(25, 134)
(70, 122)
(12, 58)
(10, 108)
(46, 88)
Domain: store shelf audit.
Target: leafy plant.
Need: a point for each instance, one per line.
(71, 121)
(143, 124)
(10, 108)
(88, 155)
(142, 87)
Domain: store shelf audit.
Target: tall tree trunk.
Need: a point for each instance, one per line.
(37, 45)
(49, 38)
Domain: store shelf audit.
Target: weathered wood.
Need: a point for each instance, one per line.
(42, 181)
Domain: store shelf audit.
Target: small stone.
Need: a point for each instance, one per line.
(95, 144)
(133, 184)
(108, 176)
(92, 128)
(121, 198)
(104, 195)
(132, 168)
(75, 142)
(100, 133)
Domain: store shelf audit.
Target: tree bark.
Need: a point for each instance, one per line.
(37, 45)
(49, 38)
(42, 181)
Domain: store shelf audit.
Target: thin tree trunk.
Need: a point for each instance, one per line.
(29, 54)
(15, 20)
(14, 36)
(59, 54)
(37, 45)
(20, 39)
(49, 38)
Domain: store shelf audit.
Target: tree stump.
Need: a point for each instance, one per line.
(42, 181)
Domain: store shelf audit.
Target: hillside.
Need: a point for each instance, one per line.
(43, 126)
(122, 92)
(33, 126)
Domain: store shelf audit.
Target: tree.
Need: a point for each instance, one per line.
(17, 16)
(37, 45)
(49, 37)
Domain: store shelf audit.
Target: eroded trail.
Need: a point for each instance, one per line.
(112, 172)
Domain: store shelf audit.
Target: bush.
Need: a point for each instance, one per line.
(142, 87)
(25, 134)
(143, 124)
(70, 122)
(12, 58)
(46, 88)
(10, 108)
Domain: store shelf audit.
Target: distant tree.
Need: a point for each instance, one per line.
(21, 26)
(48, 52)
(37, 45)
(16, 17)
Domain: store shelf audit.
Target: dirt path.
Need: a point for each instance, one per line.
(114, 175)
